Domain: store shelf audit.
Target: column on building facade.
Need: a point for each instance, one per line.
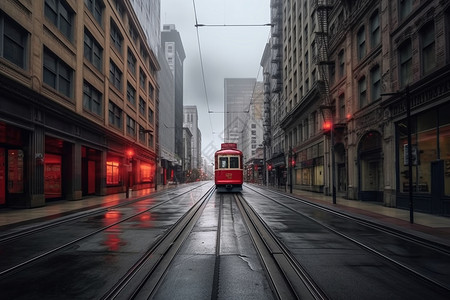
(36, 167)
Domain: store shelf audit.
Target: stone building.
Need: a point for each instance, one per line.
(361, 81)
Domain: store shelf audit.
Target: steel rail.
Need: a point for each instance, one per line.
(360, 244)
(143, 278)
(288, 278)
(79, 214)
(392, 231)
(68, 244)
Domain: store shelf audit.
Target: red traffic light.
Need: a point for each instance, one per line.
(269, 167)
(327, 126)
(130, 153)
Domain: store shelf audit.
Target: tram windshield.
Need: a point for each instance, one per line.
(234, 162)
(223, 162)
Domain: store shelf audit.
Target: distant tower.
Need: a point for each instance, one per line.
(174, 53)
(238, 94)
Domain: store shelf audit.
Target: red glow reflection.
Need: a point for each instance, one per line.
(113, 242)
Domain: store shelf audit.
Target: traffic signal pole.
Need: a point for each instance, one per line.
(333, 168)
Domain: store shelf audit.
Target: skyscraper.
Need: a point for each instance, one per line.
(174, 53)
(238, 94)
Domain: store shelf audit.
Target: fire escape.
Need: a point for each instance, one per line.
(274, 80)
(276, 44)
(322, 8)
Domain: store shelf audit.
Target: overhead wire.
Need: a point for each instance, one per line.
(201, 66)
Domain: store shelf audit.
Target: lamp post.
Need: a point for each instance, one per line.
(328, 126)
(130, 154)
(291, 167)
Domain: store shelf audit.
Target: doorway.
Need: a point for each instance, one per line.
(371, 178)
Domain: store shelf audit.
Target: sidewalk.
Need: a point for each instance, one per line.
(13, 217)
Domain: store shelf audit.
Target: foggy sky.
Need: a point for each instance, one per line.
(227, 52)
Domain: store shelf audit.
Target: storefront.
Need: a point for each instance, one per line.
(309, 168)
(430, 139)
(276, 167)
(12, 165)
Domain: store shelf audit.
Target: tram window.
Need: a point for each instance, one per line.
(234, 162)
(223, 162)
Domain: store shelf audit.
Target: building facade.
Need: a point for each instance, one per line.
(362, 81)
(79, 98)
(168, 158)
(191, 122)
(272, 63)
(174, 53)
(149, 15)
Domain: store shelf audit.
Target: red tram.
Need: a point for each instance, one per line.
(228, 168)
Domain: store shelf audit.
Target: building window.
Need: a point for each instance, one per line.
(60, 14)
(341, 62)
(332, 72)
(361, 43)
(13, 42)
(131, 60)
(142, 79)
(92, 50)
(151, 116)
(151, 139)
(375, 29)
(119, 8)
(131, 94)
(142, 106)
(141, 134)
(362, 91)
(131, 126)
(405, 58)
(405, 8)
(115, 76)
(132, 32)
(151, 91)
(342, 114)
(92, 99)
(375, 78)
(57, 74)
(428, 48)
(116, 37)
(96, 7)
(115, 115)
(112, 173)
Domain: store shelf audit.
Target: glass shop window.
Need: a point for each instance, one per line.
(15, 171)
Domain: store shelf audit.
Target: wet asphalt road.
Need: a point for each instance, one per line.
(218, 259)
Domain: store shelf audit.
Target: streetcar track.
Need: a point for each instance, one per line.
(80, 215)
(143, 278)
(215, 288)
(86, 236)
(445, 249)
(360, 244)
(289, 279)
